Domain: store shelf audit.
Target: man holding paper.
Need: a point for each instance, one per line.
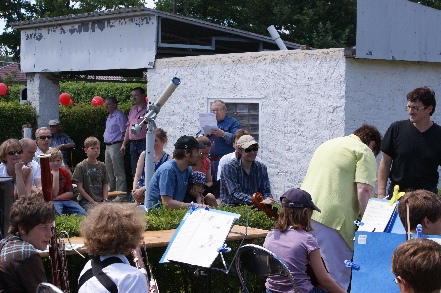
(221, 138)
(340, 178)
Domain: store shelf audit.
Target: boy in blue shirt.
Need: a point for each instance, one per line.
(170, 182)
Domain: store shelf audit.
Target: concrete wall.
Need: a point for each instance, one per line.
(301, 96)
(376, 90)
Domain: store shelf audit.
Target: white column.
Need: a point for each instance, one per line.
(44, 94)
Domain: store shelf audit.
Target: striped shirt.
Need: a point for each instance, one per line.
(237, 186)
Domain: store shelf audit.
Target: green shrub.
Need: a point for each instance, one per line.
(83, 92)
(12, 117)
(174, 277)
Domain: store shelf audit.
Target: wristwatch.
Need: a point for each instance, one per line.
(225, 136)
(106, 200)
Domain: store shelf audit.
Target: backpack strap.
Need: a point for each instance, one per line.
(97, 271)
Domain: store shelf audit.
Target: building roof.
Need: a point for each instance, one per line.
(11, 70)
(141, 11)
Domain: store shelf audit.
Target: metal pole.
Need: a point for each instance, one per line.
(276, 37)
(174, 6)
(149, 155)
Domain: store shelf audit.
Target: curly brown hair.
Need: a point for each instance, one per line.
(418, 262)
(368, 133)
(298, 218)
(28, 212)
(112, 228)
(425, 95)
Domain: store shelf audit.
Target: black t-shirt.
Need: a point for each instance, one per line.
(415, 155)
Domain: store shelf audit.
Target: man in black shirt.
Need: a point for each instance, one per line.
(412, 148)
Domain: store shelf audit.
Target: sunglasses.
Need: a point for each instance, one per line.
(43, 137)
(252, 149)
(11, 153)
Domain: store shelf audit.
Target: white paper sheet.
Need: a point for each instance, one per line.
(200, 236)
(207, 122)
(376, 216)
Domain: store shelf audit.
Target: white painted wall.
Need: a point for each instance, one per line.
(306, 98)
(301, 95)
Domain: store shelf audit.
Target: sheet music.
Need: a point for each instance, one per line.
(208, 122)
(199, 237)
(377, 215)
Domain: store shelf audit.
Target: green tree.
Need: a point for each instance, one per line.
(21, 10)
(319, 23)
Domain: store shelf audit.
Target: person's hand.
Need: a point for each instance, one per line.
(218, 132)
(123, 148)
(95, 203)
(268, 200)
(59, 147)
(138, 195)
(21, 169)
(56, 172)
(203, 206)
(194, 191)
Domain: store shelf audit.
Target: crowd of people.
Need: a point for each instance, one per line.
(316, 221)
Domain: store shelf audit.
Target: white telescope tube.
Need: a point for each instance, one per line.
(276, 37)
(174, 83)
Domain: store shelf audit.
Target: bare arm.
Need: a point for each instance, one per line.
(84, 193)
(126, 141)
(38, 183)
(106, 191)
(66, 145)
(364, 193)
(209, 178)
(55, 183)
(172, 204)
(139, 169)
(383, 174)
(322, 275)
(64, 196)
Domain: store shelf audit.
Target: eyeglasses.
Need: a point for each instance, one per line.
(414, 108)
(252, 149)
(216, 110)
(43, 137)
(11, 153)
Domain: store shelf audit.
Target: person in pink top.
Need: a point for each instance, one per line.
(137, 141)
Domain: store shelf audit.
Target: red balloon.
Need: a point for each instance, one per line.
(3, 89)
(65, 98)
(146, 99)
(97, 101)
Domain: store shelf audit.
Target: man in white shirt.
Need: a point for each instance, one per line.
(29, 148)
(231, 156)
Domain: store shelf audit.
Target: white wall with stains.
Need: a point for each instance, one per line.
(306, 98)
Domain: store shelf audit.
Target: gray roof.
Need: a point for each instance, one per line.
(140, 11)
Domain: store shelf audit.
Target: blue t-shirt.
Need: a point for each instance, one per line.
(168, 180)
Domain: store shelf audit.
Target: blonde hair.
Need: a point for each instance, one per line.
(9, 143)
(112, 228)
(297, 218)
(55, 153)
(91, 141)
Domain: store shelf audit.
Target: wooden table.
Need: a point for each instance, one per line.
(161, 238)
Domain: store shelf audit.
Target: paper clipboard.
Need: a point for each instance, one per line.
(200, 235)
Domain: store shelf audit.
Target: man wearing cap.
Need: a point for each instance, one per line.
(113, 139)
(170, 181)
(243, 177)
(60, 140)
(221, 138)
(136, 114)
(340, 178)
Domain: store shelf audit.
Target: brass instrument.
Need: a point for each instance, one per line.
(57, 253)
(139, 263)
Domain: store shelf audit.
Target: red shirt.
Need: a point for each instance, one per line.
(65, 183)
(205, 166)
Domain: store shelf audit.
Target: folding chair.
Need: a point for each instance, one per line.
(259, 261)
(48, 288)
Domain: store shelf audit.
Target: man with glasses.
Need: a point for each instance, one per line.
(44, 139)
(221, 138)
(412, 148)
(242, 178)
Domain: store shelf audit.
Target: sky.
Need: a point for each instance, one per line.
(150, 4)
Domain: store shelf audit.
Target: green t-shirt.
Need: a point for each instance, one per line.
(335, 168)
(93, 177)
